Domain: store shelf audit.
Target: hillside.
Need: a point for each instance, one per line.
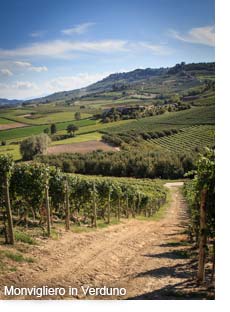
(5, 102)
(178, 76)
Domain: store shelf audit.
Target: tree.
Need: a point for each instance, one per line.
(53, 129)
(71, 129)
(34, 145)
(77, 116)
(46, 130)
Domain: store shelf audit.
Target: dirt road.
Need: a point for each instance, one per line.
(142, 256)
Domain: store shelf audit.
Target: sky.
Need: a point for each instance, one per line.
(48, 46)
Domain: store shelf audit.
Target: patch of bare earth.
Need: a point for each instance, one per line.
(12, 126)
(81, 147)
(141, 256)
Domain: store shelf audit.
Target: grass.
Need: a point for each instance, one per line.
(15, 256)
(79, 138)
(23, 132)
(24, 237)
(4, 121)
(11, 149)
(101, 224)
(42, 117)
(14, 149)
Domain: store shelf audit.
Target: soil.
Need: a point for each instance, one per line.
(12, 126)
(82, 147)
(145, 257)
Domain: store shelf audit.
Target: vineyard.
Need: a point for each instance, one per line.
(37, 195)
(181, 119)
(187, 140)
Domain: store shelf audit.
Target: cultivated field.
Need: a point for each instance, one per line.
(83, 147)
(188, 139)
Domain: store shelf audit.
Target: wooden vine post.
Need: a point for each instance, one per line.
(94, 206)
(119, 209)
(127, 207)
(8, 211)
(47, 205)
(6, 167)
(203, 238)
(109, 206)
(67, 209)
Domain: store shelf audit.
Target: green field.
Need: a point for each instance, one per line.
(79, 138)
(4, 121)
(33, 130)
(37, 118)
(12, 149)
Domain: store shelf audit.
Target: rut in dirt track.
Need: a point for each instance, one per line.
(137, 255)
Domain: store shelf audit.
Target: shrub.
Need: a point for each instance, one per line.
(34, 145)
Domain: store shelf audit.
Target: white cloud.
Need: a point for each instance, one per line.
(37, 34)
(158, 49)
(65, 83)
(22, 64)
(69, 48)
(29, 66)
(19, 90)
(63, 48)
(24, 85)
(28, 89)
(38, 69)
(200, 35)
(6, 72)
(78, 29)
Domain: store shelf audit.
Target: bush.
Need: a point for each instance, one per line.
(34, 145)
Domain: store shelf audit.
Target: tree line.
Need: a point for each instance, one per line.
(136, 160)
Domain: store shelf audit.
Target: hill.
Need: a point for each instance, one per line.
(181, 75)
(6, 102)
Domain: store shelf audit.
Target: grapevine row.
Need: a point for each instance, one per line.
(35, 193)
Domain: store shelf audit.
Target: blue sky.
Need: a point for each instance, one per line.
(48, 46)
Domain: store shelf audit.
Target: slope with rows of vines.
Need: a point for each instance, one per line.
(188, 139)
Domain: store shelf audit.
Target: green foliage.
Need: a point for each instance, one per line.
(27, 186)
(134, 161)
(27, 192)
(6, 164)
(53, 129)
(204, 178)
(34, 145)
(77, 116)
(71, 129)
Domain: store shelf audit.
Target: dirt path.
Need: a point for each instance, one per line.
(141, 256)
